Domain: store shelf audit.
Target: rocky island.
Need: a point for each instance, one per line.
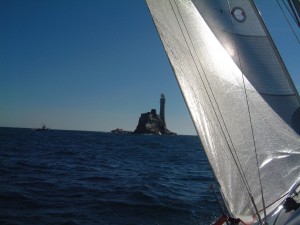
(150, 122)
(120, 131)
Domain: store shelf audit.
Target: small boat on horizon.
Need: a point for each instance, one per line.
(43, 128)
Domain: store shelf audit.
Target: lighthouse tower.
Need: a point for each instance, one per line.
(162, 109)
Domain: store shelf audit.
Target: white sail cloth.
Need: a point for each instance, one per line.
(239, 94)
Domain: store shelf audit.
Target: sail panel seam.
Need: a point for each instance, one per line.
(231, 148)
(250, 119)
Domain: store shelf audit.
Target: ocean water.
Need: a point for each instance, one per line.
(94, 178)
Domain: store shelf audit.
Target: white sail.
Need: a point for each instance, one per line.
(240, 96)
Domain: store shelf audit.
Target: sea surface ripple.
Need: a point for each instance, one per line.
(93, 178)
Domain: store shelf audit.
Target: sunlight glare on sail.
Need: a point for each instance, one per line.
(231, 51)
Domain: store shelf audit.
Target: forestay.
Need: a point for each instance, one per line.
(240, 96)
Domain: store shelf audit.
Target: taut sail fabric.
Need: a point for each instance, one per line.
(239, 94)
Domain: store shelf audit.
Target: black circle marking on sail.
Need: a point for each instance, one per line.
(238, 14)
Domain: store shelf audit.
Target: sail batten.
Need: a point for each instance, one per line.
(224, 75)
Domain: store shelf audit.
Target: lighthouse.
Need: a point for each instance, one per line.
(152, 123)
(162, 109)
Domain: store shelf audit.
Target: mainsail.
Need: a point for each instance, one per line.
(242, 100)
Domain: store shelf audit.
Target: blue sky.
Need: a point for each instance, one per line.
(95, 65)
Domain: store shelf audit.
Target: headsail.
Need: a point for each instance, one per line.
(240, 96)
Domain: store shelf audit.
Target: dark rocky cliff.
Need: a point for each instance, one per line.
(151, 123)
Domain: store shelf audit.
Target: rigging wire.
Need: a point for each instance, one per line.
(207, 92)
(287, 10)
(229, 142)
(287, 20)
(249, 115)
(250, 118)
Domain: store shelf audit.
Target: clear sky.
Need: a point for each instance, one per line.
(96, 65)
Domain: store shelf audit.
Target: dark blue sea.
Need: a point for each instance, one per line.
(93, 178)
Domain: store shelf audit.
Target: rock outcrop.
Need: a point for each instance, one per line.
(120, 131)
(151, 123)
